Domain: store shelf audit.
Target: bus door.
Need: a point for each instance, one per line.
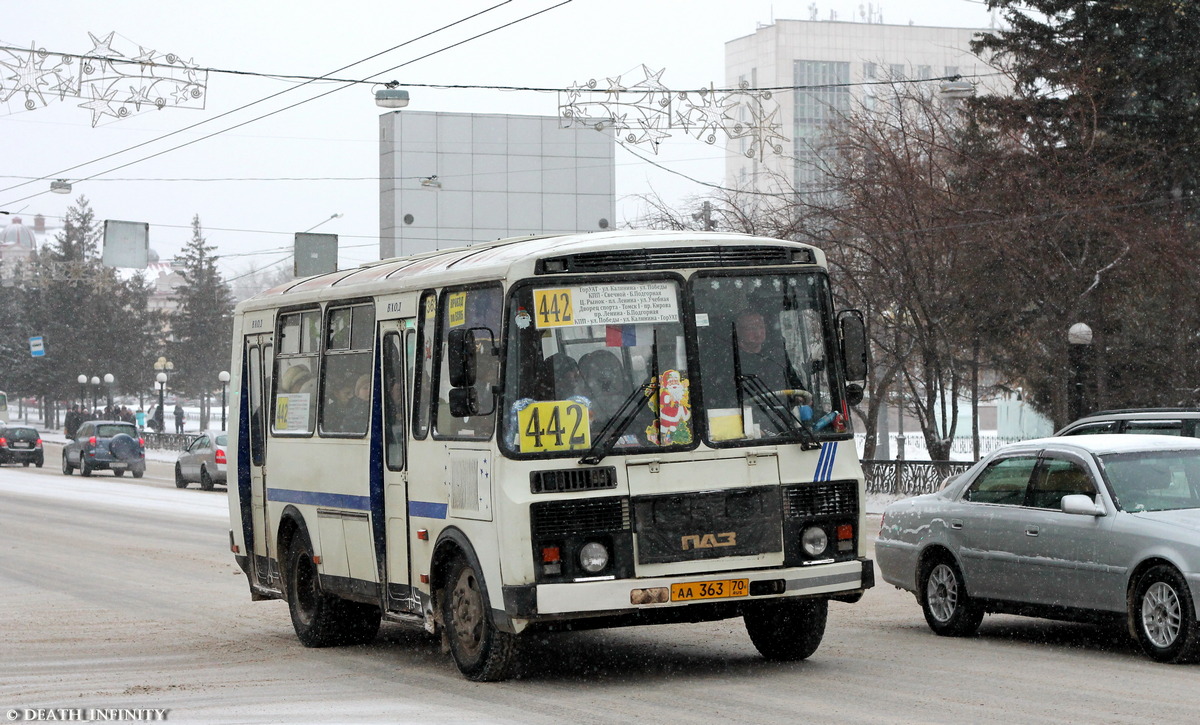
(399, 341)
(259, 362)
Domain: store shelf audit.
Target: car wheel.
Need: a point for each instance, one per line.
(787, 630)
(26, 464)
(118, 472)
(84, 468)
(138, 472)
(481, 652)
(1163, 616)
(949, 610)
(179, 482)
(321, 619)
(206, 481)
(67, 469)
(39, 462)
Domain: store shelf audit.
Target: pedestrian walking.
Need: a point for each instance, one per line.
(140, 417)
(178, 418)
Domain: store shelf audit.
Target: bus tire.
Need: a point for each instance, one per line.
(314, 612)
(481, 652)
(787, 630)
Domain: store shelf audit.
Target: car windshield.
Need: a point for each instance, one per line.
(20, 434)
(766, 359)
(108, 431)
(1155, 480)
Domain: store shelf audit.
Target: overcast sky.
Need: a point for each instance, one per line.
(244, 182)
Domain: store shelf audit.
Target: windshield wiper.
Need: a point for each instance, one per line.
(628, 410)
(616, 425)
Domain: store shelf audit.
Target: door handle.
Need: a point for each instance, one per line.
(1031, 531)
(956, 523)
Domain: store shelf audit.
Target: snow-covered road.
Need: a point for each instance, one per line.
(122, 594)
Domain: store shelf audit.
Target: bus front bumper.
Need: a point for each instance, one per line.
(840, 580)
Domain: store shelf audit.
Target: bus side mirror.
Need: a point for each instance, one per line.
(854, 346)
(460, 355)
(463, 402)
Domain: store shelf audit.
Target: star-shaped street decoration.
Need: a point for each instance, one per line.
(763, 132)
(138, 95)
(29, 76)
(651, 134)
(100, 105)
(145, 56)
(615, 88)
(103, 48)
(652, 81)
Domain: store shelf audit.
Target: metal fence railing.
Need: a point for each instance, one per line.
(910, 478)
(169, 441)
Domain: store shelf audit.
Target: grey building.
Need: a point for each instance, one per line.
(449, 179)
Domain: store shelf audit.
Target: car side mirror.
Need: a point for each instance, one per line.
(460, 356)
(463, 402)
(1077, 503)
(853, 332)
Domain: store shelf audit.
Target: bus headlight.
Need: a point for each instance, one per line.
(593, 557)
(814, 540)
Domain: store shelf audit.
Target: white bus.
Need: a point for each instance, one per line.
(552, 433)
(3, 407)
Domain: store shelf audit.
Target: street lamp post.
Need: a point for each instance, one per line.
(95, 390)
(159, 415)
(82, 380)
(108, 381)
(1079, 337)
(223, 376)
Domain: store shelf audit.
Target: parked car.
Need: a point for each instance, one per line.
(21, 444)
(1092, 528)
(105, 445)
(1160, 421)
(203, 461)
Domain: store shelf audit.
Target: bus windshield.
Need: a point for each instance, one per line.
(593, 364)
(603, 367)
(766, 356)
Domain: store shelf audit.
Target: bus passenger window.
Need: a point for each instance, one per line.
(346, 401)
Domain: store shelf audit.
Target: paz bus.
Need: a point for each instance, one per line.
(552, 433)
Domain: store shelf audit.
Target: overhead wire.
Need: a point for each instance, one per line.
(62, 172)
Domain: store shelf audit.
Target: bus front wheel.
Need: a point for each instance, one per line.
(787, 630)
(322, 619)
(481, 652)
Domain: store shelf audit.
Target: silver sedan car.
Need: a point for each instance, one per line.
(1088, 528)
(203, 461)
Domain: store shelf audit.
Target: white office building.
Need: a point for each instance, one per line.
(845, 59)
(450, 179)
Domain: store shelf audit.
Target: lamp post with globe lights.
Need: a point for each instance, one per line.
(82, 380)
(108, 383)
(1079, 337)
(95, 390)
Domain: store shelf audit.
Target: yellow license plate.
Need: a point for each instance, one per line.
(719, 589)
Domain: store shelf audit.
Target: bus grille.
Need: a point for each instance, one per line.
(573, 479)
(676, 257)
(563, 518)
(817, 500)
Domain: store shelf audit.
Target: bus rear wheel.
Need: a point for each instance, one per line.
(319, 618)
(481, 652)
(787, 630)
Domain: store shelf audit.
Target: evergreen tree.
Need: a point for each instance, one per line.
(1121, 76)
(202, 325)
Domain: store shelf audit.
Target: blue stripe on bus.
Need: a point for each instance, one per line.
(824, 470)
(313, 498)
(427, 509)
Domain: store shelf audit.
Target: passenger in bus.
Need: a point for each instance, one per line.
(294, 378)
(766, 362)
(604, 383)
(561, 377)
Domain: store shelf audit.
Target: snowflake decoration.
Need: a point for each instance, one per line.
(649, 111)
(110, 82)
